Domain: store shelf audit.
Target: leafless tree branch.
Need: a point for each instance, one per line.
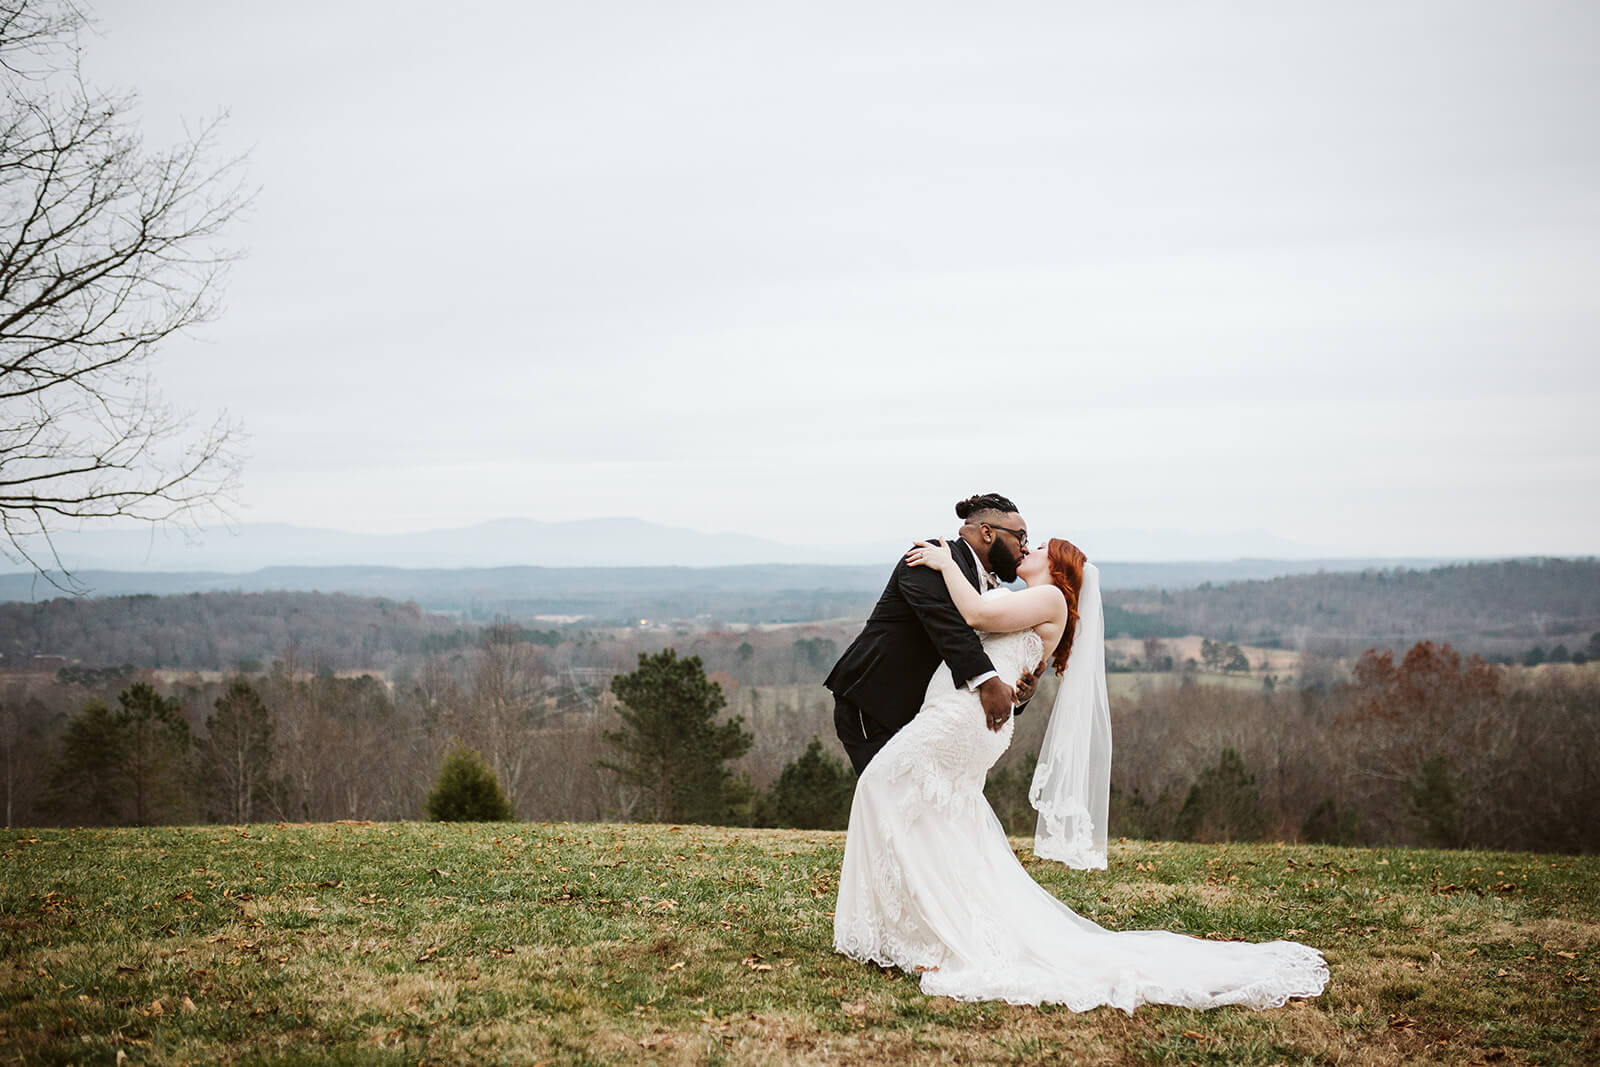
(106, 250)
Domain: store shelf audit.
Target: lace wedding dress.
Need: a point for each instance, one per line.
(930, 884)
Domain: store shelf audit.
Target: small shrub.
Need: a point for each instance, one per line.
(467, 791)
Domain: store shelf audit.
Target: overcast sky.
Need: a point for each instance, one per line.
(815, 271)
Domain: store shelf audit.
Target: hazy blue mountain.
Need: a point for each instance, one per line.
(500, 543)
(748, 593)
(581, 543)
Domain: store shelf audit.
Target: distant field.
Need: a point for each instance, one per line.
(408, 942)
(1187, 647)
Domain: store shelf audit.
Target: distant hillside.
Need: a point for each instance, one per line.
(1491, 607)
(744, 594)
(219, 630)
(1502, 607)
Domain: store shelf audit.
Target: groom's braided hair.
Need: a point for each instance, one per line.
(984, 502)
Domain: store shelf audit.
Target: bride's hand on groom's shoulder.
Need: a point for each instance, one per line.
(929, 554)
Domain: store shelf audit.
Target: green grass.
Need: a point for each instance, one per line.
(524, 943)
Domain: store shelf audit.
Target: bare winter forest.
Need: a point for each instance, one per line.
(1349, 708)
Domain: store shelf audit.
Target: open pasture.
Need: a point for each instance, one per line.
(598, 943)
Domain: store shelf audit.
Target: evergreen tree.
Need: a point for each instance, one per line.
(670, 744)
(237, 753)
(155, 753)
(812, 793)
(86, 784)
(1223, 804)
(1330, 824)
(467, 791)
(1435, 803)
(129, 765)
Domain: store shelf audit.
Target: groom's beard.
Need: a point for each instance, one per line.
(1002, 562)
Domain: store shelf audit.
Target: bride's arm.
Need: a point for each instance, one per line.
(995, 615)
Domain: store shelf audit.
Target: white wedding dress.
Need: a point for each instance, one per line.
(930, 884)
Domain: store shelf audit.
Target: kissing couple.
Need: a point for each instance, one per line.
(929, 883)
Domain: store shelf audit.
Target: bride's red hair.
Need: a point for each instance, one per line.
(1066, 572)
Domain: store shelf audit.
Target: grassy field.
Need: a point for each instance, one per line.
(530, 943)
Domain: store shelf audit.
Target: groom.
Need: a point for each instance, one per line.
(879, 682)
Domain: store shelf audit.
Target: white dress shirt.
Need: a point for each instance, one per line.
(988, 581)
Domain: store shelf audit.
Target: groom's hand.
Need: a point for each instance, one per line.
(998, 699)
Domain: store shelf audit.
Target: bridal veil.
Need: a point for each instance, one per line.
(1071, 787)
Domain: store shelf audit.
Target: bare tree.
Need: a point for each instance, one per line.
(508, 696)
(106, 250)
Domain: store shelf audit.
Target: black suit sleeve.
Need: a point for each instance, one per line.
(957, 644)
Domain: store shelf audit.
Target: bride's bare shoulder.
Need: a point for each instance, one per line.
(1032, 606)
(1047, 595)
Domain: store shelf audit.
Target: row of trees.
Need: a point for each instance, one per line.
(1561, 654)
(285, 745)
(84, 637)
(1546, 611)
(1429, 747)
(225, 631)
(140, 763)
(1498, 609)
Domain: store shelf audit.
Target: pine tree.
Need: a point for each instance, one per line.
(670, 744)
(129, 765)
(467, 791)
(155, 753)
(86, 783)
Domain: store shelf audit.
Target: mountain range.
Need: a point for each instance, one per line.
(612, 569)
(609, 542)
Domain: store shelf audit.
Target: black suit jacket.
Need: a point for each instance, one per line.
(913, 627)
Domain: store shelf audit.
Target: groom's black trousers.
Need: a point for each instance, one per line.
(860, 735)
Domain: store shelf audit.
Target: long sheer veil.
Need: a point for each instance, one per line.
(1072, 784)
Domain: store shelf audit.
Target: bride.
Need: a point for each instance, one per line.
(930, 884)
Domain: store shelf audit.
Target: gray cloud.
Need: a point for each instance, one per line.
(1321, 269)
